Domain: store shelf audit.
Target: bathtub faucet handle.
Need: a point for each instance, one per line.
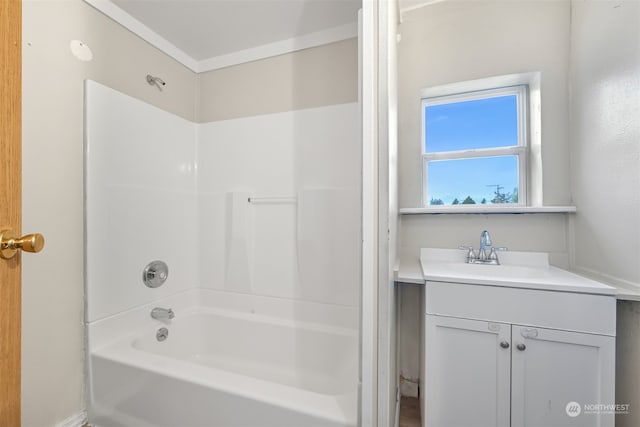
(162, 313)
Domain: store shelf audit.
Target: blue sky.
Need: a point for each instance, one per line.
(475, 124)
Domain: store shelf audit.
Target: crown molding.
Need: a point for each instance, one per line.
(330, 35)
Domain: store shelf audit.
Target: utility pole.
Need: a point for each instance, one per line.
(498, 188)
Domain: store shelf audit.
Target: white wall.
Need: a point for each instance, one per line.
(140, 201)
(52, 329)
(605, 167)
(307, 248)
(605, 138)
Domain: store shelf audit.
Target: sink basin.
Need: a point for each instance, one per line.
(517, 269)
(499, 272)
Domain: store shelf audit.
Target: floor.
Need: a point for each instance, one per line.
(409, 412)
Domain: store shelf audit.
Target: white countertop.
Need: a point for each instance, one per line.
(409, 271)
(518, 269)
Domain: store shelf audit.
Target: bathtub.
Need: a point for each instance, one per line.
(229, 360)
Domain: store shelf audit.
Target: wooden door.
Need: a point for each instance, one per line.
(10, 207)
(551, 369)
(467, 373)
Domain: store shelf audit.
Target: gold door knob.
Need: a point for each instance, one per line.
(10, 243)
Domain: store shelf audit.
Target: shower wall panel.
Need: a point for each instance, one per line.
(279, 204)
(140, 200)
(267, 205)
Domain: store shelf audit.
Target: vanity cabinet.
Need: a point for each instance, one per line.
(498, 356)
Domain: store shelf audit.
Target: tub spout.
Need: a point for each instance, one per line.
(162, 313)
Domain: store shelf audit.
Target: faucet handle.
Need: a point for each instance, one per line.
(493, 255)
(471, 254)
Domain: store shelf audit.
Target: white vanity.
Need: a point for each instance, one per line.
(517, 344)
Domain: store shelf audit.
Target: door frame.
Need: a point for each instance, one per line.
(10, 207)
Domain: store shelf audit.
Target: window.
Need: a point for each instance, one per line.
(474, 147)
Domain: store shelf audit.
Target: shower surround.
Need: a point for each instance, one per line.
(258, 219)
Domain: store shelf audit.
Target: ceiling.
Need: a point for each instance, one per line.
(209, 34)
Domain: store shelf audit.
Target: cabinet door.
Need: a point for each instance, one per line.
(466, 373)
(552, 368)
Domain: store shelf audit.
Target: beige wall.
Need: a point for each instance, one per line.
(605, 167)
(316, 77)
(52, 333)
(449, 42)
(455, 41)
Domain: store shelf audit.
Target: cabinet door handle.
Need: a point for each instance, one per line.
(504, 344)
(521, 347)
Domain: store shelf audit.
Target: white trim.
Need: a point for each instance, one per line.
(487, 92)
(416, 5)
(132, 24)
(75, 420)
(396, 423)
(329, 35)
(369, 303)
(387, 216)
(488, 209)
(514, 150)
(480, 84)
(535, 140)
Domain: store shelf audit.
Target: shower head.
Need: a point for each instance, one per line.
(155, 81)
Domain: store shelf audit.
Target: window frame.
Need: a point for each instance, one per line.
(521, 150)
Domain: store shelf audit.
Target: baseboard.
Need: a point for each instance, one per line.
(76, 420)
(398, 397)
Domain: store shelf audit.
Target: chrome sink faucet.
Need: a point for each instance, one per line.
(485, 240)
(481, 257)
(162, 313)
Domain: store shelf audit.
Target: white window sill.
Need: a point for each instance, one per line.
(487, 210)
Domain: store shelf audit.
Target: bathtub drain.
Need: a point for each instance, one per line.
(162, 334)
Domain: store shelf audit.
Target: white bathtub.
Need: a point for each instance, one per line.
(229, 360)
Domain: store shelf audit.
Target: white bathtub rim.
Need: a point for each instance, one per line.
(347, 316)
(129, 323)
(111, 330)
